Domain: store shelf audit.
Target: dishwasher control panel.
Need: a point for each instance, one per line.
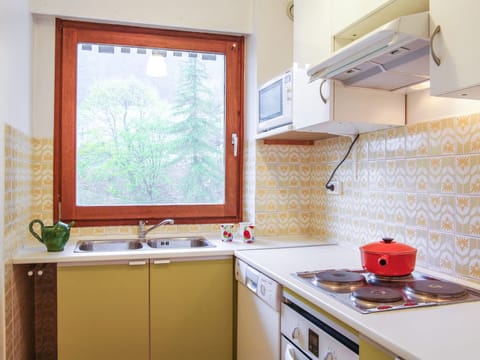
(266, 289)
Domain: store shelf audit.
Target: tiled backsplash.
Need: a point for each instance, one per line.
(17, 206)
(283, 189)
(42, 180)
(419, 184)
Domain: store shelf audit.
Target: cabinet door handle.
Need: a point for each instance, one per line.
(137, 263)
(324, 99)
(435, 57)
(160, 262)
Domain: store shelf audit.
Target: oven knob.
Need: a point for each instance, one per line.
(296, 333)
(329, 356)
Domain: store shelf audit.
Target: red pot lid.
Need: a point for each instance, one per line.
(388, 245)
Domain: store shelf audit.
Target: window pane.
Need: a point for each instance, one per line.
(150, 126)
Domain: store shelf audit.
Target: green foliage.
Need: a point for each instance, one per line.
(122, 146)
(199, 146)
(135, 148)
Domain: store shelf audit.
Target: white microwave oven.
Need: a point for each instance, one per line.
(275, 102)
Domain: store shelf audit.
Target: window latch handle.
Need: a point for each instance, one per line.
(235, 144)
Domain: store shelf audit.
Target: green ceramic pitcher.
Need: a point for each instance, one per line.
(54, 237)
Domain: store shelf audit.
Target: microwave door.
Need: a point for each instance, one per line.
(270, 101)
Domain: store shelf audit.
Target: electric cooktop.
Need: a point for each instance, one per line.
(369, 293)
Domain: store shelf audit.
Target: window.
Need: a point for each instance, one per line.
(148, 125)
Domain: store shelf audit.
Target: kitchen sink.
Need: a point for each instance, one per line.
(174, 242)
(108, 245)
(179, 242)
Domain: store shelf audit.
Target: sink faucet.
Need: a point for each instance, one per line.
(142, 233)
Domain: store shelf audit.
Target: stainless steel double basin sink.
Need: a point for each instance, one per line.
(188, 242)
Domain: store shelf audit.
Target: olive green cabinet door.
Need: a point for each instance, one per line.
(191, 310)
(103, 312)
(371, 351)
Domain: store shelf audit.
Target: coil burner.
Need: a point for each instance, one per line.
(367, 292)
(369, 297)
(338, 280)
(435, 291)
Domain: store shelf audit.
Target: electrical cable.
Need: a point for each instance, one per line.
(329, 186)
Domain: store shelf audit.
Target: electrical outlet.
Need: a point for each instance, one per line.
(337, 188)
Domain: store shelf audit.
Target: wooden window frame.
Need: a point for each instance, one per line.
(68, 35)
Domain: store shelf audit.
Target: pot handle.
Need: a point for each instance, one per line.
(387, 240)
(383, 260)
(32, 231)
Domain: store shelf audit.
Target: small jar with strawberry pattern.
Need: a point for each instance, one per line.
(248, 231)
(226, 232)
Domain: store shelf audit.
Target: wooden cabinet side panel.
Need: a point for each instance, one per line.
(191, 310)
(102, 312)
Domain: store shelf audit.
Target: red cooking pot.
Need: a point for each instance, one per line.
(388, 258)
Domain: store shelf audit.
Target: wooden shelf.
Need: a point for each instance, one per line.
(286, 135)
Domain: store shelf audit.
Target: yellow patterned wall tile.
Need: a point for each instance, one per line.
(440, 251)
(435, 137)
(283, 183)
(416, 140)
(377, 176)
(361, 148)
(449, 141)
(468, 132)
(468, 216)
(17, 205)
(421, 174)
(395, 142)
(442, 177)
(468, 171)
(467, 261)
(376, 145)
(394, 231)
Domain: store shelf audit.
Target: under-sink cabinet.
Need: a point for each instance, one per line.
(102, 311)
(141, 309)
(191, 309)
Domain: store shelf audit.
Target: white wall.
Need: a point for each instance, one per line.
(15, 89)
(15, 60)
(214, 15)
(43, 82)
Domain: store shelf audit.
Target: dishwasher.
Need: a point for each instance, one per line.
(258, 314)
(310, 335)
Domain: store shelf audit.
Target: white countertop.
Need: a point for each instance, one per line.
(39, 254)
(438, 332)
(427, 333)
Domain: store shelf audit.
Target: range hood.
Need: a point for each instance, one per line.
(392, 57)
